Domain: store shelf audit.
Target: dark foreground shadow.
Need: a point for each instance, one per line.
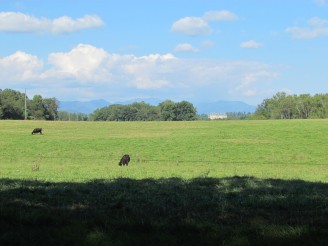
(202, 211)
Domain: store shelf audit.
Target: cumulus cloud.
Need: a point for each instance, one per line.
(250, 44)
(191, 26)
(196, 26)
(22, 23)
(89, 72)
(87, 64)
(317, 27)
(185, 47)
(148, 72)
(20, 66)
(83, 63)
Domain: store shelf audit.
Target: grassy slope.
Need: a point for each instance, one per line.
(189, 183)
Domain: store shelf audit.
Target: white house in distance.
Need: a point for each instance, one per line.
(216, 116)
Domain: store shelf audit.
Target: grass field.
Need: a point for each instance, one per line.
(80, 151)
(188, 183)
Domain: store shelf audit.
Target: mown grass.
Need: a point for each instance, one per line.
(77, 151)
(188, 183)
(171, 211)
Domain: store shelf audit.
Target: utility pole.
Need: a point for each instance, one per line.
(25, 106)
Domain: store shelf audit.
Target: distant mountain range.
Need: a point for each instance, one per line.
(82, 107)
(202, 108)
(224, 107)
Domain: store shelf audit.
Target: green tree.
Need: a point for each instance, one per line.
(320, 106)
(141, 111)
(267, 110)
(51, 106)
(110, 113)
(287, 107)
(145, 112)
(304, 106)
(1, 113)
(182, 111)
(283, 106)
(36, 108)
(12, 104)
(185, 111)
(168, 110)
(280, 106)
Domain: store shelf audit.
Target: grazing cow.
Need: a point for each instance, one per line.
(124, 160)
(37, 130)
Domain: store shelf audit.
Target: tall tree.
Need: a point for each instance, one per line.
(283, 106)
(51, 106)
(304, 106)
(168, 110)
(36, 108)
(185, 111)
(12, 104)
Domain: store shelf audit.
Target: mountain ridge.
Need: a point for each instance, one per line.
(88, 107)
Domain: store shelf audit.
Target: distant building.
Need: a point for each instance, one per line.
(216, 116)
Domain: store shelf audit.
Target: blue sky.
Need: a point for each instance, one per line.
(195, 50)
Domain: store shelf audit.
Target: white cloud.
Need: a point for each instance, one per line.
(196, 26)
(83, 63)
(317, 27)
(317, 22)
(67, 24)
(87, 64)
(22, 23)
(250, 44)
(185, 47)
(306, 33)
(223, 15)
(320, 2)
(89, 72)
(249, 82)
(191, 26)
(20, 66)
(257, 76)
(147, 72)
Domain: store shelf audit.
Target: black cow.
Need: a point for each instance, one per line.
(37, 130)
(124, 160)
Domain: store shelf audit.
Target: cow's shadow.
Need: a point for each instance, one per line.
(173, 211)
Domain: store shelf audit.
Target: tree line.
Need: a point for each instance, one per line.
(13, 104)
(280, 106)
(141, 111)
(283, 106)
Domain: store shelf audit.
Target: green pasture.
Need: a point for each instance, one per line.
(81, 151)
(188, 183)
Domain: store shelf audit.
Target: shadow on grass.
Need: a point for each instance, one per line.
(201, 211)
